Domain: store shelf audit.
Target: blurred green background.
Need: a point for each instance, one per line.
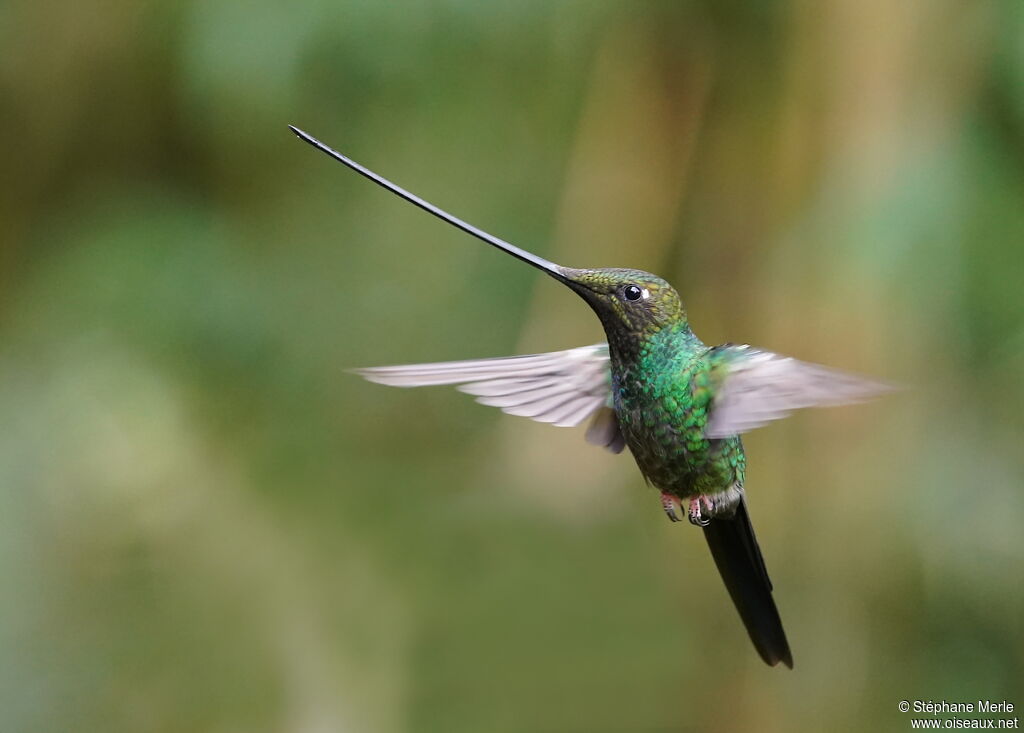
(207, 525)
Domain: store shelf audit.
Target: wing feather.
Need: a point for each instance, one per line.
(582, 408)
(761, 386)
(560, 387)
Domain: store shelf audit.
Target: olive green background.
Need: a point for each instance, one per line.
(206, 524)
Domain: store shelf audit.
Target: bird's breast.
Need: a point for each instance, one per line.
(663, 423)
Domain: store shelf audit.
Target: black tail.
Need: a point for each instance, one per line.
(741, 566)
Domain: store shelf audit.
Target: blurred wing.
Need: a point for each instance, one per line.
(761, 386)
(561, 387)
(604, 431)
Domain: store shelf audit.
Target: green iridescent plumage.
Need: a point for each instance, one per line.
(664, 381)
(678, 405)
(663, 394)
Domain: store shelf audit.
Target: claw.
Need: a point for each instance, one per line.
(696, 515)
(669, 503)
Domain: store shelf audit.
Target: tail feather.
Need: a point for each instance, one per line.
(738, 557)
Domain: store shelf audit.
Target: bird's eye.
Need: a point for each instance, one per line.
(632, 292)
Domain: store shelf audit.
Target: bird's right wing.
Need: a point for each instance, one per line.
(560, 387)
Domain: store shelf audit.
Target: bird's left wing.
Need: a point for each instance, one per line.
(756, 387)
(561, 387)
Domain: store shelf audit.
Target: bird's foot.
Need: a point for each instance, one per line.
(669, 504)
(702, 508)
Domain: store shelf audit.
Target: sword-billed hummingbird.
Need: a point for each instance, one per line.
(654, 387)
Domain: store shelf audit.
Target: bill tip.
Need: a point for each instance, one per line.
(298, 133)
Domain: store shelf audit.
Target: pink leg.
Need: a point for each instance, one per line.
(701, 510)
(669, 504)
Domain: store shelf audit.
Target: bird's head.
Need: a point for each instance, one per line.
(627, 301)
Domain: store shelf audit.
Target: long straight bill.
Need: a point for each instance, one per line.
(550, 267)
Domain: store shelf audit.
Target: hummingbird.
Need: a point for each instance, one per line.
(655, 388)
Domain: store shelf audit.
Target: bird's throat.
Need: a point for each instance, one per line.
(653, 350)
